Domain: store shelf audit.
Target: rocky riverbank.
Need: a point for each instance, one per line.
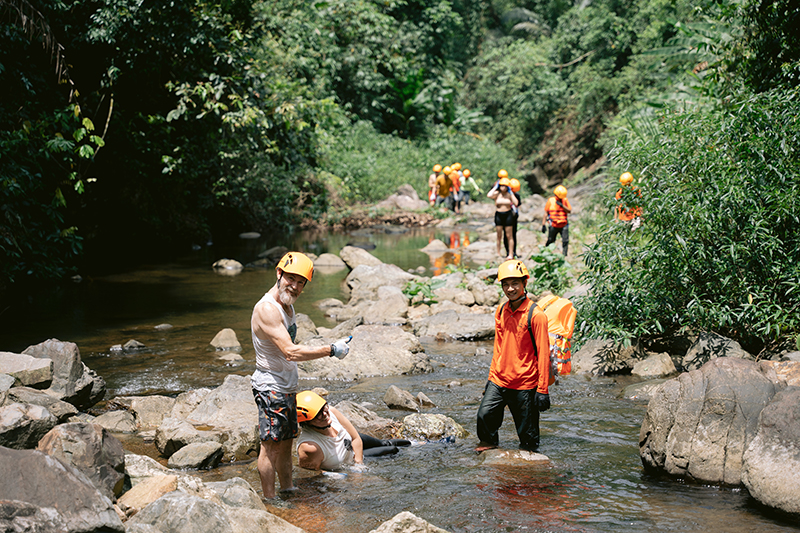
(715, 414)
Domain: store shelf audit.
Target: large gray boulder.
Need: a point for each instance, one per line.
(431, 427)
(73, 381)
(771, 469)
(363, 282)
(197, 456)
(367, 421)
(655, 366)
(699, 424)
(90, 449)
(27, 370)
(390, 308)
(407, 522)
(22, 425)
(482, 292)
(605, 357)
(179, 512)
(354, 257)
(457, 326)
(61, 410)
(41, 494)
(374, 351)
(709, 346)
(149, 411)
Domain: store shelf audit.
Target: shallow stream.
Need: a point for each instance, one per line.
(594, 483)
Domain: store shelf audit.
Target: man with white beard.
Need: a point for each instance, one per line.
(274, 382)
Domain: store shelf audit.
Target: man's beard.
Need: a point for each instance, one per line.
(284, 297)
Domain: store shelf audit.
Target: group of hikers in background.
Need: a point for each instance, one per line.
(452, 187)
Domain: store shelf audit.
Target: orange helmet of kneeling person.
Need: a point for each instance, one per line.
(467, 173)
(296, 263)
(626, 178)
(502, 173)
(504, 181)
(513, 268)
(447, 170)
(437, 168)
(560, 192)
(515, 185)
(309, 404)
(456, 166)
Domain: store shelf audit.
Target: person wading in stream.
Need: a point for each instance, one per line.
(274, 381)
(519, 375)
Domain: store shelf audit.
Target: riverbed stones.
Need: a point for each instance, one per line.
(456, 326)
(63, 411)
(197, 455)
(407, 522)
(605, 357)
(771, 463)
(498, 456)
(146, 492)
(227, 266)
(90, 449)
(226, 340)
(40, 493)
(641, 392)
(148, 410)
(119, 421)
(375, 350)
(174, 434)
(354, 256)
(699, 424)
(431, 427)
(788, 371)
(397, 398)
(367, 421)
(363, 282)
(133, 346)
(27, 370)
(483, 293)
(73, 381)
(708, 346)
(655, 366)
(22, 425)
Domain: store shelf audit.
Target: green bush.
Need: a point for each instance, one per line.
(549, 271)
(719, 248)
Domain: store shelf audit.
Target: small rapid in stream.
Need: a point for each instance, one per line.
(595, 481)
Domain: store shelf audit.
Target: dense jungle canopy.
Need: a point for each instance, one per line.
(130, 123)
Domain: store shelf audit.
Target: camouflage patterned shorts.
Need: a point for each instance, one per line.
(277, 415)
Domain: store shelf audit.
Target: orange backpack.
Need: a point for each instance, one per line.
(560, 325)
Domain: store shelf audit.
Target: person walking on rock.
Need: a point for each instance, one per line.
(556, 210)
(504, 201)
(274, 381)
(519, 375)
(629, 214)
(432, 184)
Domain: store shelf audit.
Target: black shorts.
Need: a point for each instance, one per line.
(504, 219)
(277, 415)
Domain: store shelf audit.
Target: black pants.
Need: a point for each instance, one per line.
(513, 252)
(551, 237)
(376, 447)
(523, 410)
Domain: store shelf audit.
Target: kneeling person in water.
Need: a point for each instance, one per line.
(329, 440)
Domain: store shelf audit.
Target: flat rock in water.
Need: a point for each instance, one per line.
(498, 456)
(250, 235)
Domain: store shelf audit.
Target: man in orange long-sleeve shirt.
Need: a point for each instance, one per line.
(518, 378)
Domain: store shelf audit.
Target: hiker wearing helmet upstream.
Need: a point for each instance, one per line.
(328, 440)
(432, 184)
(504, 201)
(274, 381)
(555, 212)
(519, 375)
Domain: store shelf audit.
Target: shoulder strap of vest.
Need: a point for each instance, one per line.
(530, 329)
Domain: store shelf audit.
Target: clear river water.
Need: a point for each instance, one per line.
(595, 481)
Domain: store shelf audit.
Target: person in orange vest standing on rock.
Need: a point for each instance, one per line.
(629, 214)
(556, 211)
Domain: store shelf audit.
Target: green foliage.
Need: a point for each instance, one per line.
(718, 249)
(424, 287)
(549, 271)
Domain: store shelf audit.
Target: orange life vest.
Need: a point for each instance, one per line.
(556, 214)
(560, 315)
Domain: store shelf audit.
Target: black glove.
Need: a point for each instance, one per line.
(541, 401)
(559, 203)
(544, 228)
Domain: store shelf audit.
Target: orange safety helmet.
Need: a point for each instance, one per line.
(513, 268)
(502, 173)
(296, 263)
(560, 192)
(447, 170)
(309, 404)
(467, 173)
(515, 185)
(626, 178)
(437, 168)
(456, 166)
(505, 181)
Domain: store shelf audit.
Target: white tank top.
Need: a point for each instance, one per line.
(335, 449)
(273, 371)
